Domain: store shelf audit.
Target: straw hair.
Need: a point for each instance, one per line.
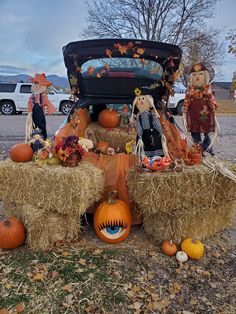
(28, 127)
(175, 204)
(150, 101)
(51, 188)
(216, 134)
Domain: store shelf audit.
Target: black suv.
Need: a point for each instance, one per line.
(107, 71)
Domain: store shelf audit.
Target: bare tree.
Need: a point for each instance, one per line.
(180, 22)
(203, 47)
(232, 42)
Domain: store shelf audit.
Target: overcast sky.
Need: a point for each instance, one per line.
(32, 34)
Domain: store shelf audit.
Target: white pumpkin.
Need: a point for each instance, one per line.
(181, 257)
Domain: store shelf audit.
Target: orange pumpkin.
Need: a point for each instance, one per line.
(102, 147)
(109, 118)
(12, 233)
(169, 248)
(21, 152)
(112, 220)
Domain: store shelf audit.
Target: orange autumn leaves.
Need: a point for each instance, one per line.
(122, 49)
(137, 53)
(105, 69)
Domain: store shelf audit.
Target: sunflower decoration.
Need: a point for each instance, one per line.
(137, 91)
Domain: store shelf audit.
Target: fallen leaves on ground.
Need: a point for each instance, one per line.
(116, 279)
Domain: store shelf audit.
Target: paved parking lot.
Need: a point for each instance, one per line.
(12, 130)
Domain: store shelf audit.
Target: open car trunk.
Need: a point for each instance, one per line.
(113, 68)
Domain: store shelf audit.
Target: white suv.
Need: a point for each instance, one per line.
(176, 102)
(14, 98)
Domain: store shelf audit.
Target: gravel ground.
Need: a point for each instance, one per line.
(12, 132)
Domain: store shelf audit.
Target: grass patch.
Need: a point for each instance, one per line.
(119, 280)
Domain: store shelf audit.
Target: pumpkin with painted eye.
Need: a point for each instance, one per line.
(112, 220)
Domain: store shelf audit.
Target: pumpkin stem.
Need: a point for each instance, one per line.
(7, 222)
(112, 197)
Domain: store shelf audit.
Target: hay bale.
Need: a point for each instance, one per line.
(43, 228)
(197, 201)
(116, 137)
(188, 223)
(195, 187)
(53, 189)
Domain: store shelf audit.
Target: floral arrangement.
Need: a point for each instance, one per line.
(44, 156)
(69, 146)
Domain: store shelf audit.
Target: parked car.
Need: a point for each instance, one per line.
(176, 102)
(111, 69)
(14, 98)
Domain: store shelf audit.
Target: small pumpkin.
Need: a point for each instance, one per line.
(169, 248)
(181, 257)
(109, 118)
(112, 220)
(12, 233)
(102, 147)
(193, 248)
(21, 152)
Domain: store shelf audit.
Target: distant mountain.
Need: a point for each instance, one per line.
(57, 81)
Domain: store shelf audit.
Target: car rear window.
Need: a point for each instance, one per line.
(7, 88)
(26, 89)
(122, 67)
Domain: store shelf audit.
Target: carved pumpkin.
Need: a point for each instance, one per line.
(112, 220)
(193, 248)
(21, 152)
(12, 233)
(102, 147)
(109, 118)
(169, 248)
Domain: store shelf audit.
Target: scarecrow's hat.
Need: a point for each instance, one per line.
(40, 79)
(203, 67)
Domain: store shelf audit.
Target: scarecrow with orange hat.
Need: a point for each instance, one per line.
(199, 108)
(37, 103)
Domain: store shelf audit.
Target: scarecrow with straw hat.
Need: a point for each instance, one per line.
(150, 139)
(37, 103)
(199, 108)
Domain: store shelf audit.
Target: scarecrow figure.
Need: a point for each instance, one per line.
(124, 117)
(37, 142)
(150, 138)
(37, 103)
(199, 108)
